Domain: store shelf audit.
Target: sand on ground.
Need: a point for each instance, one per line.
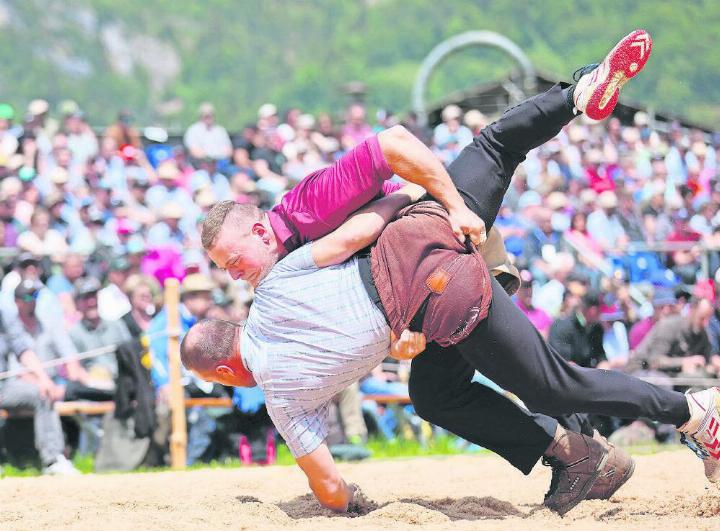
(668, 491)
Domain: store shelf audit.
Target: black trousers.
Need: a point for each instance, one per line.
(506, 347)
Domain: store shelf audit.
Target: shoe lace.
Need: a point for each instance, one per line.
(557, 467)
(580, 72)
(692, 443)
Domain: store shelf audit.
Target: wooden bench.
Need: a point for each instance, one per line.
(68, 409)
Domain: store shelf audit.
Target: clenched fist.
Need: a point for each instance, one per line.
(409, 345)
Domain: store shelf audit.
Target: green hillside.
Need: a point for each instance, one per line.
(162, 57)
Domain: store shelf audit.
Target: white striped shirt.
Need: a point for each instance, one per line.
(310, 334)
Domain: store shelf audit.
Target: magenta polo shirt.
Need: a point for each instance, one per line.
(325, 198)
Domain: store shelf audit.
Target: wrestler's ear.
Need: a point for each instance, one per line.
(261, 231)
(258, 229)
(224, 370)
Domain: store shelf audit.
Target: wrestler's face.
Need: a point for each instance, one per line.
(248, 256)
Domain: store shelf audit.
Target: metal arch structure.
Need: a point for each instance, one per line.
(465, 40)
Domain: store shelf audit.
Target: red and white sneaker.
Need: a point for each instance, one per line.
(702, 432)
(598, 86)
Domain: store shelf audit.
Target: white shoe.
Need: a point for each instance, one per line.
(61, 467)
(700, 433)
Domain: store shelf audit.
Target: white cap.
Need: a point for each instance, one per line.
(267, 110)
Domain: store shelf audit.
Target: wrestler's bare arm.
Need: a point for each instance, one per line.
(412, 160)
(324, 479)
(363, 227)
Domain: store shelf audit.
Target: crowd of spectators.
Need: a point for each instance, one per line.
(615, 228)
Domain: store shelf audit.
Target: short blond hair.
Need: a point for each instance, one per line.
(217, 216)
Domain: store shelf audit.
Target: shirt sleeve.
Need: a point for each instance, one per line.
(299, 260)
(17, 338)
(324, 199)
(302, 429)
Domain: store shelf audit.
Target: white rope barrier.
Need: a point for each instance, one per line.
(60, 361)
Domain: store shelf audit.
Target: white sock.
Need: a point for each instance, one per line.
(698, 404)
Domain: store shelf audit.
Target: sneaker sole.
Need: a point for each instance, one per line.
(628, 474)
(624, 62)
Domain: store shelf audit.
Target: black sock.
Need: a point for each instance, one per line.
(569, 94)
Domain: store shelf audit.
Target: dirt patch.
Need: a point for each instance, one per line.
(668, 491)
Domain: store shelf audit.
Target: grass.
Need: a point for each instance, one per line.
(380, 448)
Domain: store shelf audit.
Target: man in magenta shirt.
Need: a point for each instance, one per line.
(325, 198)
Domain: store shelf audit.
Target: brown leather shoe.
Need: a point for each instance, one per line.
(576, 462)
(618, 469)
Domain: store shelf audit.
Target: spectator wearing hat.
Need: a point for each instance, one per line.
(604, 224)
(195, 302)
(664, 304)
(196, 299)
(40, 125)
(615, 337)
(92, 332)
(168, 189)
(137, 209)
(41, 240)
(8, 138)
(143, 292)
(113, 303)
(356, 129)
(579, 336)
(542, 243)
(208, 175)
(550, 296)
(677, 343)
(25, 266)
(559, 204)
(475, 121)
(111, 163)
(657, 215)
(268, 124)
(167, 231)
(36, 392)
(524, 300)
(62, 283)
(705, 221)
(450, 137)
(61, 214)
(684, 262)
(205, 138)
(51, 342)
(630, 219)
(82, 142)
(11, 226)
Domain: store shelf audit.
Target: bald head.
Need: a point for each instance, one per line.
(208, 344)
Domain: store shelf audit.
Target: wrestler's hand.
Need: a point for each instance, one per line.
(408, 346)
(465, 221)
(359, 502)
